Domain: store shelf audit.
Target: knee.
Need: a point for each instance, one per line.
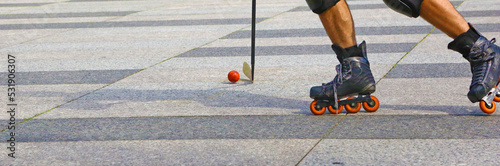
(410, 8)
(319, 6)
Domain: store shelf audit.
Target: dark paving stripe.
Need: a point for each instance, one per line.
(127, 24)
(315, 32)
(395, 30)
(259, 127)
(67, 77)
(174, 128)
(481, 28)
(431, 70)
(291, 50)
(483, 13)
(22, 4)
(108, 98)
(418, 127)
(361, 6)
(63, 15)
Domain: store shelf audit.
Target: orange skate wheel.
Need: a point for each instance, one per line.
(371, 107)
(354, 107)
(316, 111)
(335, 111)
(486, 109)
(497, 98)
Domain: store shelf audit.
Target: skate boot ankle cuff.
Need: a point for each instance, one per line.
(340, 52)
(343, 53)
(354, 51)
(464, 42)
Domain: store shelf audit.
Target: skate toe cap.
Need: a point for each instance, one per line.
(315, 91)
(476, 93)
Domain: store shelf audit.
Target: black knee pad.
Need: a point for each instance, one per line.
(319, 6)
(410, 8)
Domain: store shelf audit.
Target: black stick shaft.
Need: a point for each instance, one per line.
(254, 6)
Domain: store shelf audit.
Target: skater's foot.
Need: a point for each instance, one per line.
(353, 75)
(485, 65)
(484, 58)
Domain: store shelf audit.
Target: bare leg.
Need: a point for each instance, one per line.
(339, 25)
(444, 16)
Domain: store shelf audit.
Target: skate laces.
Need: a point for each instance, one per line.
(480, 54)
(343, 73)
(479, 58)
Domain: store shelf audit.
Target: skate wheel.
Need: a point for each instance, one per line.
(488, 110)
(497, 98)
(335, 111)
(353, 107)
(371, 106)
(316, 110)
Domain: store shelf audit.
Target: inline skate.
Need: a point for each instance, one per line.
(351, 87)
(484, 58)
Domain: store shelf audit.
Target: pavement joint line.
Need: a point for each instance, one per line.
(304, 146)
(28, 119)
(248, 26)
(25, 120)
(322, 138)
(69, 30)
(394, 66)
(331, 130)
(70, 101)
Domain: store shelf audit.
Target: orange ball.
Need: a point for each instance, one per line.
(233, 76)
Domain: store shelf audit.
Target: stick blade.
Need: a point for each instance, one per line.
(247, 70)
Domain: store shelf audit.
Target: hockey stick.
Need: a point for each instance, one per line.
(246, 67)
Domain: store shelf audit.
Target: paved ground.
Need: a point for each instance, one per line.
(128, 82)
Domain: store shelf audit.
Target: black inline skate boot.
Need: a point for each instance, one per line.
(484, 58)
(351, 87)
